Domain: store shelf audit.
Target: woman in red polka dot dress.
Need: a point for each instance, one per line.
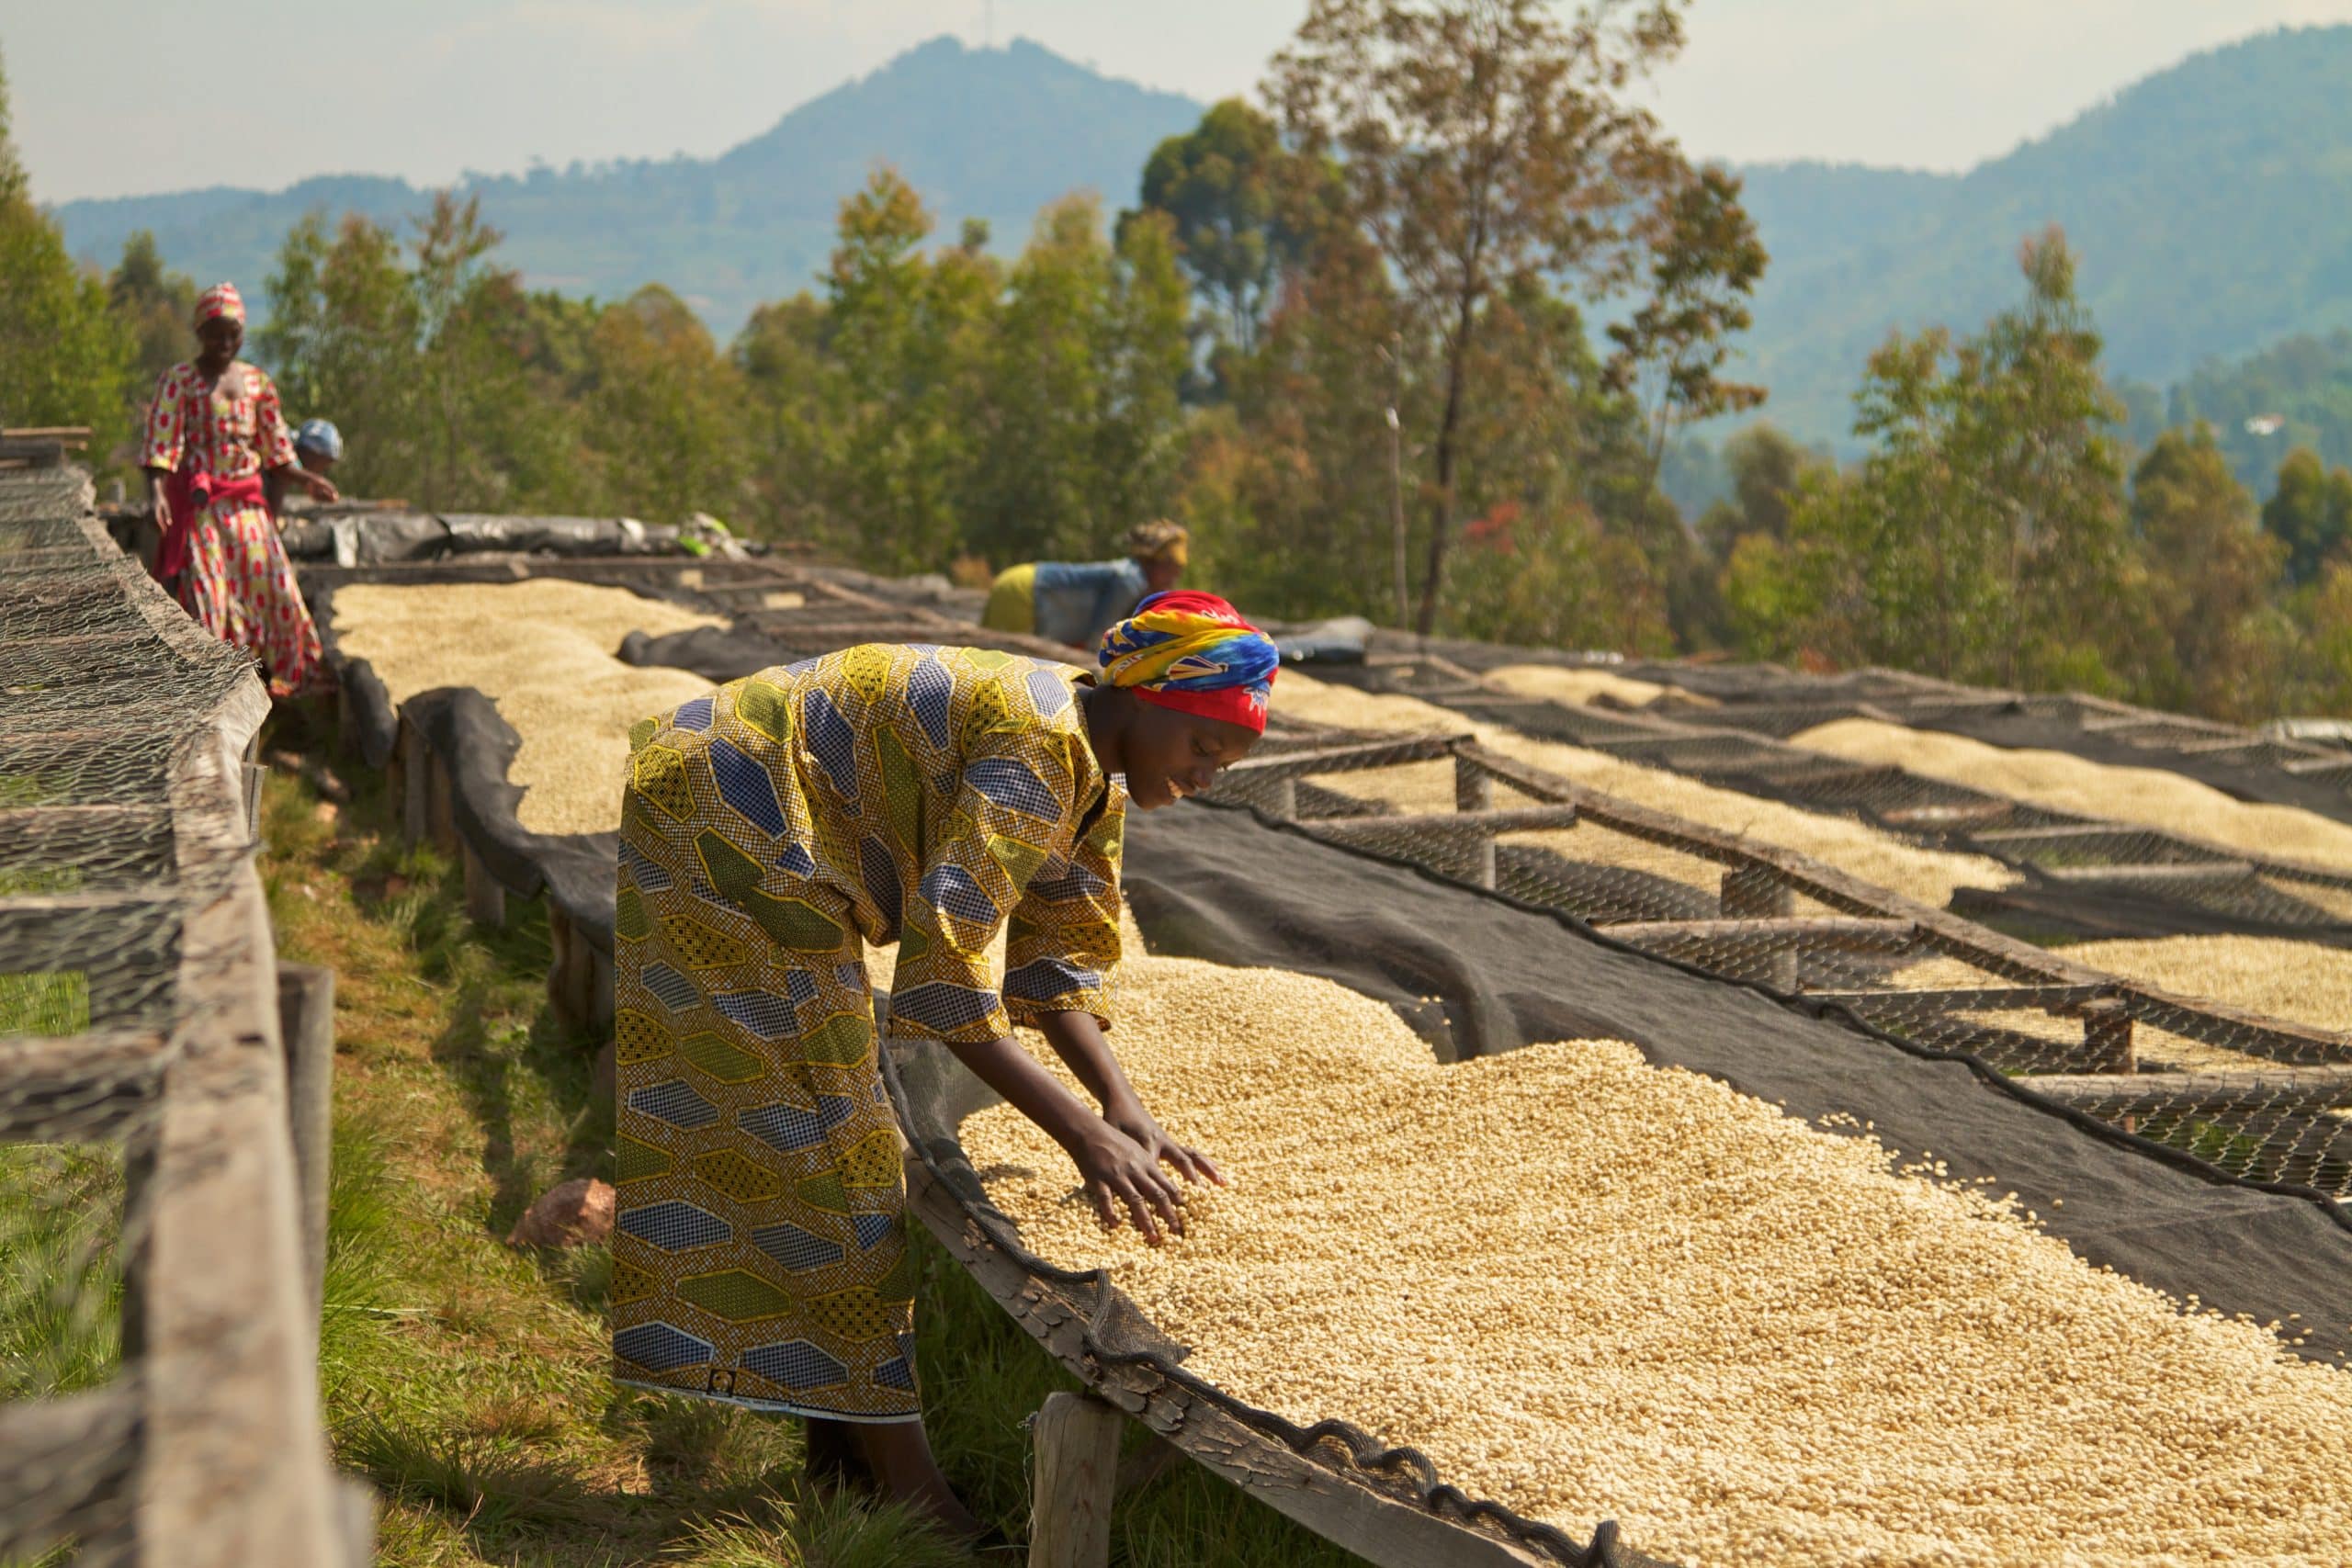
(212, 430)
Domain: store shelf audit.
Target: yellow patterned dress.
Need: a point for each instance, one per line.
(921, 796)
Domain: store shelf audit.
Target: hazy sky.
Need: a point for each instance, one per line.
(116, 97)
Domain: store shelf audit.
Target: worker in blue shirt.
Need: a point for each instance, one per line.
(1076, 602)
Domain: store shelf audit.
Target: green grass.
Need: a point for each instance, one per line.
(51, 1002)
(60, 1268)
(467, 1381)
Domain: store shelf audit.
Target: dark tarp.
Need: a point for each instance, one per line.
(1219, 884)
(576, 871)
(717, 654)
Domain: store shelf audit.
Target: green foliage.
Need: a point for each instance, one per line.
(1242, 210)
(64, 356)
(2211, 571)
(1485, 147)
(1983, 538)
(2309, 512)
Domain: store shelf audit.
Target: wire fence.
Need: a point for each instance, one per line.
(158, 1395)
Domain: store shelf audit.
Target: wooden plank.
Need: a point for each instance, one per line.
(1334, 1504)
(1353, 756)
(1823, 934)
(77, 1088)
(1077, 1442)
(2063, 999)
(1957, 816)
(2178, 874)
(1448, 823)
(65, 1471)
(2143, 1094)
(233, 1471)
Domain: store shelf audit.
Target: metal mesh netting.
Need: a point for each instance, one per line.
(2264, 1099)
(102, 682)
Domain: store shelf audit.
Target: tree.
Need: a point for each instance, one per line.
(155, 307)
(906, 336)
(1232, 195)
(664, 411)
(1766, 468)
(64, 357)
(1483, 144)
(1983, 537)
(2211, 572)
(2310, 514)
(1706, 260)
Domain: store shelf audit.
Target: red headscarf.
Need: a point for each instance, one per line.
(220, 299)
(1193, 651)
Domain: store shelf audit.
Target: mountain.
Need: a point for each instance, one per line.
(988, 133)
(2211, 203)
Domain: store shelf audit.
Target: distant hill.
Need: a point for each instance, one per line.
(2211, 204)
(989, 133)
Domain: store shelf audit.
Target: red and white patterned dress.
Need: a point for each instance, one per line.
(238, 584)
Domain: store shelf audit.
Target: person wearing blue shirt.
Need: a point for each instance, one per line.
(1076, 602)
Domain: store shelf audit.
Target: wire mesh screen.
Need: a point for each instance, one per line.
(2264, 1101)
(102, 683)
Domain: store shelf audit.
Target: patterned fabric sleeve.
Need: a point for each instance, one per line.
(1062, 953)
(272, 444)
(166, 434)
(1013, 816)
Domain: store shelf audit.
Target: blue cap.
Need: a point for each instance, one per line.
(319, 436)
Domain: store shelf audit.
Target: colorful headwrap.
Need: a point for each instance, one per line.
(220, 299)
(1193, 652)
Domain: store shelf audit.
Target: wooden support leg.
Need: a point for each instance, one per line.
(485, 896)
(2107, 1039)
(1752, 893)
(1283, 806)
(1078, 1469)
(415, 792)
(441, 820)
(1474, 788)
(306, 1025)
(600, 990)
(564, 985)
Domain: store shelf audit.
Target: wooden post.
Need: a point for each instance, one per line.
(306, 1026)
(564, 982)
(1754, 893)
(600, 988)
(2107, 1037)
(441, 822)
(1474, 788)
(416, 798)
(1078, 1468)
(485, 896)
(1283, 806)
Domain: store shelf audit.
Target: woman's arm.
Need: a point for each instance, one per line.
(1116, 1169)
(1078, 1040)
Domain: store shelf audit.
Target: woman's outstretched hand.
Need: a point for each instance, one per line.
(1119, 1173)
(322, 490)
(1186, 1161)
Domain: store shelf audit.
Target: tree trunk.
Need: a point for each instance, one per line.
(1441, 506)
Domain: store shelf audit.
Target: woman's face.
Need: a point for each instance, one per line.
(219, 339)
(1170, 755)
